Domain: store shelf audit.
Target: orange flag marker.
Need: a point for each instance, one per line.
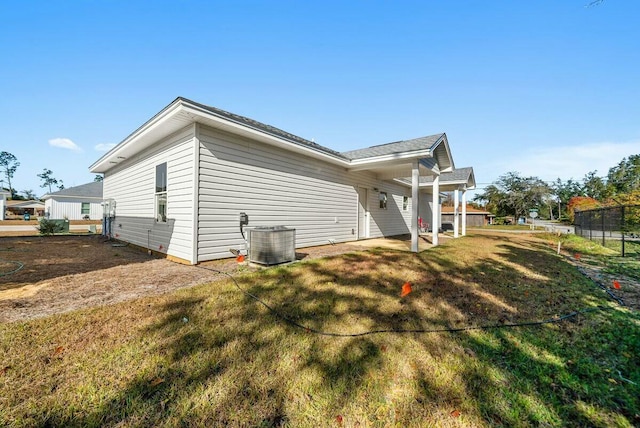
(406, 289)
(616, 285)
(240, 258)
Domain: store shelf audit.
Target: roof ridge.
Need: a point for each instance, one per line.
(263, 127)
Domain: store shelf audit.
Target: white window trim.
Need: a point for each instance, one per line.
(161, 194)
(384, 200)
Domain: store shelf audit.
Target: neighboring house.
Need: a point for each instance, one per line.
(18, 208)
(475, 217)
(4, 194)
(82, 202)
(180, 181)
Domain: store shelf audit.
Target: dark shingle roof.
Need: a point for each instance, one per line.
(89, 190)
(396, 147)
(264, 128)
(457, 175)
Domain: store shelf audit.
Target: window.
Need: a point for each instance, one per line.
(383, 200)
(405, 203)
(85, 208)
(161, 193)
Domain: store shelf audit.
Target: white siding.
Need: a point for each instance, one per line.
(132, 185)
(71, 208)
(424, 208)
(278, 187)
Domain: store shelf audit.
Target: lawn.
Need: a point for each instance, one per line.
(211, 355)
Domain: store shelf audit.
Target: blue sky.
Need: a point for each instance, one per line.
(546, 88)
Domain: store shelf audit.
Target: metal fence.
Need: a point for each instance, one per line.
(617, 228)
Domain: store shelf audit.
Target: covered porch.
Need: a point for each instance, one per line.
(419, 164)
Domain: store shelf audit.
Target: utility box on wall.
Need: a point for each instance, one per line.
(272, 245)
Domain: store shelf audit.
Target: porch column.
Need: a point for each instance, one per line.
(464, 212)
(415, 186)
(435, 210)
(456, 213)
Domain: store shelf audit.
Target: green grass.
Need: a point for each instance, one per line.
(211, 356)
(609, 257)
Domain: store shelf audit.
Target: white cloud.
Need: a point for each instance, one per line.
(104, 147)
(565, 162)
(64, 143)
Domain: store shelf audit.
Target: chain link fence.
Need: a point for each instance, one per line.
(617, 228)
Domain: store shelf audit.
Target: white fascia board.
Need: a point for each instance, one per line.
(373, 162)
(210, 119)
(102, 164)
(97, 198)
(260, 135)
(445, 142)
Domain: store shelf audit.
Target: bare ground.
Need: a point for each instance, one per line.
(41, 276)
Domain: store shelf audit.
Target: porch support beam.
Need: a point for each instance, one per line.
(415, 187)
(464, 212)
(456, 212)
(435, 210)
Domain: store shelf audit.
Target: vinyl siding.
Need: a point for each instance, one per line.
(277, 187)
(71, 208)
(132, 185)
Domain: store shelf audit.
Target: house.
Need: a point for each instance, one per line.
(474, 217)
(18, 208)
(178, 184)
(4, 194)
(82, 202)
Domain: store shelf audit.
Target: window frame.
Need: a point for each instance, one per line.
(405, 203)
(84, 205)
(160, 195)
(383, 199)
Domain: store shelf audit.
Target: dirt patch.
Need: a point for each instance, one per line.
(63, 273)
(41, 276)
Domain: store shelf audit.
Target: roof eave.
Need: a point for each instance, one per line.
(442, 144)
(206, 117)
(367, 163)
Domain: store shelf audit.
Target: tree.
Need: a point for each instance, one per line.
(580, 203)
(98, 177)
(29, 194)
(595, 187)
(512, 194)
(9, 164)
(563, 192)
(48, 180)
(625, 177)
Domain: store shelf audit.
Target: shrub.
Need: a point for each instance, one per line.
(49, 227)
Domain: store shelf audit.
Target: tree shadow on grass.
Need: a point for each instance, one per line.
(217, 357)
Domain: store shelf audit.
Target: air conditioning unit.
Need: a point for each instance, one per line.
(272, 245)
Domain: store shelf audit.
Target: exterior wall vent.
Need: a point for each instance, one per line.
(272, 245)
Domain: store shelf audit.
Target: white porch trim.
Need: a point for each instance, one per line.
(415, 188)
(435, 211)
(464, 212)
(456, 213)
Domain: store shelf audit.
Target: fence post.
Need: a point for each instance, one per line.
(602, 224)
(623, 229)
